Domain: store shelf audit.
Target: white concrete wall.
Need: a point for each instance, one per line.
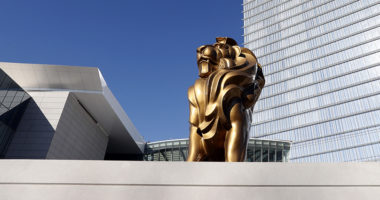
(64, 179)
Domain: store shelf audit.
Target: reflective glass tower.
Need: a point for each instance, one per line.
(321, 59)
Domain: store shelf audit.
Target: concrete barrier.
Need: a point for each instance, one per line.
(77, 179)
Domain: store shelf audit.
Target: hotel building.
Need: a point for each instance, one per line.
(321, 60)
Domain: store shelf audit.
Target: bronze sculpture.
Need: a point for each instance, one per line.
(222, 100)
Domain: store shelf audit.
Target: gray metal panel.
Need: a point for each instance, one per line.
(39, 76)
(77, 135)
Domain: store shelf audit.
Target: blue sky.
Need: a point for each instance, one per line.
(145, 49)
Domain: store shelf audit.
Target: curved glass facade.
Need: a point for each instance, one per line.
(257, 151)
(321, 60)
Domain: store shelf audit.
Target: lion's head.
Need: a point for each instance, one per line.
(224, 54)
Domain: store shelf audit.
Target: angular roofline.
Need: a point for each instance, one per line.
(90, 88)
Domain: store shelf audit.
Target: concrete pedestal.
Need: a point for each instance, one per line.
(70, 179)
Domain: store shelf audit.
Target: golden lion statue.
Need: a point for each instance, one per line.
(222, 101)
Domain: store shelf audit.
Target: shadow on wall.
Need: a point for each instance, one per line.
(24, 130)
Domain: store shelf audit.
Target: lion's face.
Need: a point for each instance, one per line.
(208, 58)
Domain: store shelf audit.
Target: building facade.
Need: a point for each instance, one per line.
(257, 150)
(321, 63)
(61, 112)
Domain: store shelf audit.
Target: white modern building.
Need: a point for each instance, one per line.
(61, 112)
(321, 60)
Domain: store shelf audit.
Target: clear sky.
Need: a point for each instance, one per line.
(145, 49)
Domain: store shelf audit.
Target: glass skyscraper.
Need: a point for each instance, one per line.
(321, 60)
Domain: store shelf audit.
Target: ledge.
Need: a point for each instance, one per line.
(74, 179)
